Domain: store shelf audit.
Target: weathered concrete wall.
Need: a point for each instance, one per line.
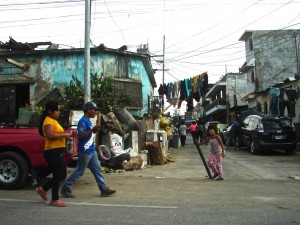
(275, 56)
(138, 72)
(239, 82)
(48, 71)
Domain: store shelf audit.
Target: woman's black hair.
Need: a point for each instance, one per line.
(50, 106)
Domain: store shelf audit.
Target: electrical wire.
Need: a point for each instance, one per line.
(213, 42)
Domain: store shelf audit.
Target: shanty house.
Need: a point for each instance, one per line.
(28, 75)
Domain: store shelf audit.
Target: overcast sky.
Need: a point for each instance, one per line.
(201, 35)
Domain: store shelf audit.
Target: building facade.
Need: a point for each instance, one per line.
(28, 75)
(271, 56)
(272, 63)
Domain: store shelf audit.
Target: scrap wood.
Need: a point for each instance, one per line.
(155, 153)
(295, 177)
(167, 159)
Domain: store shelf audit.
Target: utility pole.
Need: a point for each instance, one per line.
(297, 56)
(164, 47)
(87, 55)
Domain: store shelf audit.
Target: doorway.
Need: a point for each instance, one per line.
(12, 97)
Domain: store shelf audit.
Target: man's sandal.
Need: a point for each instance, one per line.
(42, 193)
(58, 203)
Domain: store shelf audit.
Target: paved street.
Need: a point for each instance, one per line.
(256, 190)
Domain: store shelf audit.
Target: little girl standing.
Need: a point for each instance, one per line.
(217, 153)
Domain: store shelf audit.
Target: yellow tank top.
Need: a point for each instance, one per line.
(57, 143)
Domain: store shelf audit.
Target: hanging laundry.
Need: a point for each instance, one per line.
(179, 104)
(195, 81)
(204, 81)
(169, 91)
(190, 105)
(183, 92)
(165, 88)
(292, 96)
(186, 81)
(281, 102)
(160, 90)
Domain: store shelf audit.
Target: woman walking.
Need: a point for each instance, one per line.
(55, 144)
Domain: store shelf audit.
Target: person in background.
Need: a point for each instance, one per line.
(217, 153)
(87, 156)
(234, 130)
(201, 132)
(182, 133)
(193, 130)
(55, 145)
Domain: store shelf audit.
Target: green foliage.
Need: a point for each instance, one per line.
(74, 94)
(102, 92)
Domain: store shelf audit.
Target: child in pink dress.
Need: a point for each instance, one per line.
(217, 153)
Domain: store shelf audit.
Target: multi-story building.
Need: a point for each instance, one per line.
(272, 65)
(271, 56)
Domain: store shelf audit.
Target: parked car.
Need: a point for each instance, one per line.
(21, 155)
(226, 135)
(261, 131)
(215, 123)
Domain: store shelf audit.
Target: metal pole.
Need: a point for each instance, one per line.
(297, 57)
(87, 57)
(163, 100)
(203, 159)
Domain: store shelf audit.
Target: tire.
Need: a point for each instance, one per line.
(253, 148)
(14, 170)
(289, 151)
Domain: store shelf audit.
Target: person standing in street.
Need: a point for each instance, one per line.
(55, 144)
(193, 130)
(182, 132)
(234, 131)
(87, 156)
(217, 153)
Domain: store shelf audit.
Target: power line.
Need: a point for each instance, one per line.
(213, 42)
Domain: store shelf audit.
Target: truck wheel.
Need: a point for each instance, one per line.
(290, 151)
(13, 170)
(253, 148)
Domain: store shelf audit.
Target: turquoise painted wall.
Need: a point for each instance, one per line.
(53, 70)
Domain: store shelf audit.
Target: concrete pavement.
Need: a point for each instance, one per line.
(256, 190)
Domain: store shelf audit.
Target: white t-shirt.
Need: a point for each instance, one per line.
(182, 130)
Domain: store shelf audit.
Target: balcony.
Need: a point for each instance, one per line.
(216, 106)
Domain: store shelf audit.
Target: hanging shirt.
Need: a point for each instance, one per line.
(183, 93)
(195, 81)
(186, 81)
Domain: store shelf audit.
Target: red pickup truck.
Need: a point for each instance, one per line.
(21, 155)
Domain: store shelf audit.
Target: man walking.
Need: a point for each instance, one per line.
(87, 157)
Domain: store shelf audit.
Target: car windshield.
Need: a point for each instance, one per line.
(277, 124)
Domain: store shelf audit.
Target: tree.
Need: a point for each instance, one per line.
(102, 92)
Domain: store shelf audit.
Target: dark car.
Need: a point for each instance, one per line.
(260, 132)
(226, 136)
